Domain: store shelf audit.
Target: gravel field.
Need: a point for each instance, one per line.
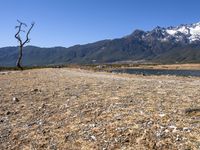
(74, 109)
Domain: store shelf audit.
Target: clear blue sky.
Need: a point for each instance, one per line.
(69, 22)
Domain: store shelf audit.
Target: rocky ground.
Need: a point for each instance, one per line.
(77, 109)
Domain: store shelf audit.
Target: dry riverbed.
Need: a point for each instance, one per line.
(77, 109)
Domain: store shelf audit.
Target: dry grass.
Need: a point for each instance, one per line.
(77, 109)
(174, 66)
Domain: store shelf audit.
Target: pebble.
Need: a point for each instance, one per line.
(8, 113)
(167, 131)
(162, 115)
(41, 107)
(1, 120)
(172, 127)
(178, 138)
(34, 90)
(93, 138)
(15, 99)
(186, 129)
(92, 125)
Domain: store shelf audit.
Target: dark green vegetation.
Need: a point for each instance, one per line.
(133, 49)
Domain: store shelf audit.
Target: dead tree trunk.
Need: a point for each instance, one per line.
(18, 64)
(21, 43)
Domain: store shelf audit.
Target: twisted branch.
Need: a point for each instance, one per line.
(27, 35)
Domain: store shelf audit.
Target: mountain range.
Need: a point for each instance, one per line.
(179, 44)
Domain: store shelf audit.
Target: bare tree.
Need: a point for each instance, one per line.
(21, 42)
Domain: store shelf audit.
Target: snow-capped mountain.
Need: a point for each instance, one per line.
(179, 44)
(191, 32)
(187, 33)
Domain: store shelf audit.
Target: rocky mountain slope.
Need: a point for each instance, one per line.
(163, 45)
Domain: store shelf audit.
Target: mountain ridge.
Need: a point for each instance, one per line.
(180, 44)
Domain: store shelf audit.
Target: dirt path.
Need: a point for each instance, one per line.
(78, 109)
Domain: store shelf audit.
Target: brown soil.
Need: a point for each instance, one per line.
(173, 67)
(78, 109)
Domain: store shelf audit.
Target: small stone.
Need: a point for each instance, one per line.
(35, 90)
(92, 125)
(174, 130)
(15, 99)
(178, 138)
(93, 138)
(167, 131)
(161, 115)
(172, 127)
(149, 122)
(69, 137)
(22, 106)
(41, 107)
(186, 129)
(8, 113)
(40, 122)
(118, 118)
(53, 147)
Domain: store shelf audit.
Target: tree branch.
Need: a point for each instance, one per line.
(21, 23)
(17, 34)
(27, 35)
